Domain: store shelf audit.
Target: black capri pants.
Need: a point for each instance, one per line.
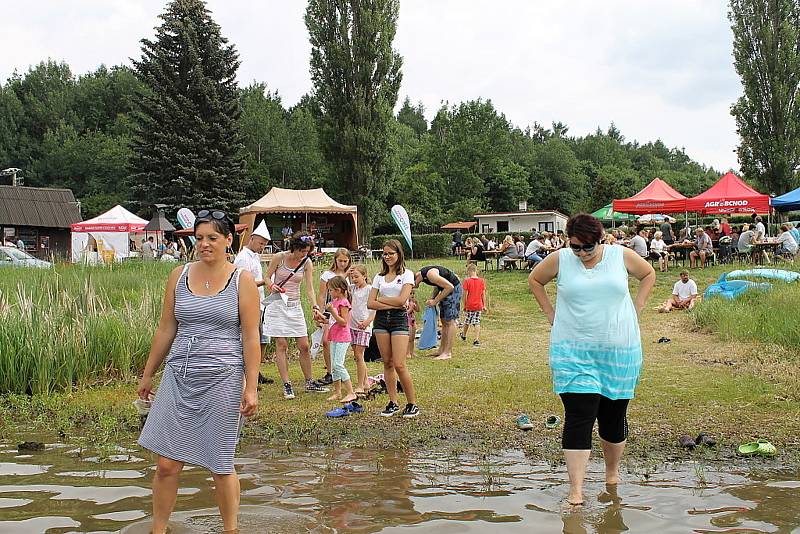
(580, 412)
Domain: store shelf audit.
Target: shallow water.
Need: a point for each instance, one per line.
(320, 490)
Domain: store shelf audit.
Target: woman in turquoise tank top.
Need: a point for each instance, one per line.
(595, 346)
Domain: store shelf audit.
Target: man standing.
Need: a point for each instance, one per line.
(249, 259)
(447, 294)
(667, 234)
(286, 232)
(684, 295)
(148, 249)
(458, 244)
(20, 244)
(761, 231)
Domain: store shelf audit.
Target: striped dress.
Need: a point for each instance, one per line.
(595, 345)
(195, 415)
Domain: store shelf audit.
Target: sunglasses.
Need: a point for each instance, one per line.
(307, 239)
(208, 215)
(586, 248)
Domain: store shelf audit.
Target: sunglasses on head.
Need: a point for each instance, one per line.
(586, 248)
(307, 239)
(208, 215)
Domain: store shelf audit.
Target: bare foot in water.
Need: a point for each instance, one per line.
(349, 398)
(333, 397)
(446, 356)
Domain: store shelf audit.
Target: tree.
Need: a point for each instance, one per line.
(413, 117)
(557, 181)
(356, 77)
(766, 51)
(187, 151)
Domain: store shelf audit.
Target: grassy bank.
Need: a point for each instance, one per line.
(737, 389)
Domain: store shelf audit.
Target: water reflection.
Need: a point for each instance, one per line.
(364, 491)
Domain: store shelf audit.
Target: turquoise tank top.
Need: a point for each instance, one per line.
(595, 345)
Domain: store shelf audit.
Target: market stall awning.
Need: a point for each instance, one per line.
(607, 213)
(787, 202)
(117, 219)
(657, 197)
(280, 200)
(159, 223)
(729, 195)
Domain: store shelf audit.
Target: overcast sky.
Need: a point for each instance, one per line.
(658, 70)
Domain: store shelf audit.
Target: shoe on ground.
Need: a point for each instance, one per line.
(686, 441)
(704, 439)
(390, 409)
(264, 379)
(411, 410)
(524, 422)
(326, 380)
(288, 391)
(315, 387)
(462, 336)
(552, 421)
(339, 411)
(353, 407)
(476, 343)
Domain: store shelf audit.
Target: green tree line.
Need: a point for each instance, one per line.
(77, 132)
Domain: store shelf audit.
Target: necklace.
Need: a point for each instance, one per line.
(208, 284)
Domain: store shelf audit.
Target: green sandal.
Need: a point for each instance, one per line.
(760, 447)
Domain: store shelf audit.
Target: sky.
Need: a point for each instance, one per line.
(657, 70)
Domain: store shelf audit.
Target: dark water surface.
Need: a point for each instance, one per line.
(353, 490)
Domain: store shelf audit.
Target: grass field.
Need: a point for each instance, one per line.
(736, 384)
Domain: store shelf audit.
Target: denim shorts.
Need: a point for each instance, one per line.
(392, 322)
(450, 307)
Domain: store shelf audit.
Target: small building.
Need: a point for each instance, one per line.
(40, 217)
(521, 221)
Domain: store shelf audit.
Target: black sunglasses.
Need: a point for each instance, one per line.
(586, 248)
(208, 215)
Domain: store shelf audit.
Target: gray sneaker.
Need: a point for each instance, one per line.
(288, 391)
(316, 387)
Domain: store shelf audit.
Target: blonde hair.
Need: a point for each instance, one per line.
(508, 239)
(341, 252)
(658, 234)
(361, 269)
(472, 268)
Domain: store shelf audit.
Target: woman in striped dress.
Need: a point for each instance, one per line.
(595, 346)
(209, 335)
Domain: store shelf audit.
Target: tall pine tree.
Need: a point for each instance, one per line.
(188, 150)
(356, 76)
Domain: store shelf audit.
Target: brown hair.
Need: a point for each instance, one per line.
(586, 228)
(301, 240)
(341, 252)
(338, 282)
(472, 268)
(400, 266)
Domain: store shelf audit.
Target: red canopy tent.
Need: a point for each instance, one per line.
(729, 195)
(657, 197)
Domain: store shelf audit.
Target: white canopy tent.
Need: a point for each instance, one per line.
(110, 232)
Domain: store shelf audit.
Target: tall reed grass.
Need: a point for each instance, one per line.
(76, 324)
(768, 316)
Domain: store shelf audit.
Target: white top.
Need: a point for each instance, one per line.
(359, 311)
(684, 291)
(760, 229)
(250, 261)
(533, 247)
(658, 245)
(639, 245)
(787, 241)
(395, 287)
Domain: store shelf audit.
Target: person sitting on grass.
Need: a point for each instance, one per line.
(475, 302)
(684, 295)
(703, 249)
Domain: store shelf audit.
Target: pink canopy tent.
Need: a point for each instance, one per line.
(657, 197)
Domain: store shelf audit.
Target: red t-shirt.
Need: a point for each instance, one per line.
(474, 288)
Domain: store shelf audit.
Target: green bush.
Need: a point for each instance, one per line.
(425, 245)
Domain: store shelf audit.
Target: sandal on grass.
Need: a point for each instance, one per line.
(760, 447)
(552, 421)
(338, 412)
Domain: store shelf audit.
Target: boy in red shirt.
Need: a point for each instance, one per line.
(475, 302)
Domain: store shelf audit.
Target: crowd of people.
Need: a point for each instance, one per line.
(217, 317)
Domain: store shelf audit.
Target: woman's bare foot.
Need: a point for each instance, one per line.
(445, 356)
(360, 391)
(333, 397)
(348, 398)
